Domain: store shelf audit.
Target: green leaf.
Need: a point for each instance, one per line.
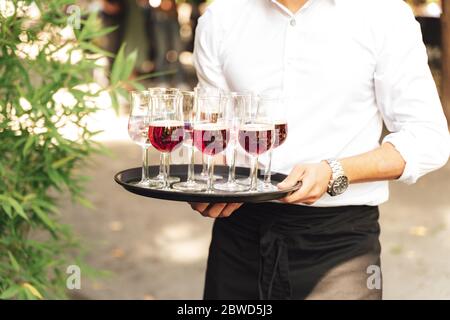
(29, 197)
(91, 47)
(84, 202)
(55, 178)
(88, 25)
(32, 290)
(102, 32)
(18, 208)
(44, 217)
(63, 161)
(47, 205)
(114, 101)
(118, 65)
(129, 66)
(6, 205)
(156, 74)
(123, 92)
(7, 209)
(10, 292)
(28, 145)
(137, 85)
(28, 294)
(13, 261)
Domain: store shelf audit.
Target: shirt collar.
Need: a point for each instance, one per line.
(332, 1)
(290, 13)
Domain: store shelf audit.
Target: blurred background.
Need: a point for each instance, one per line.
(157, 250)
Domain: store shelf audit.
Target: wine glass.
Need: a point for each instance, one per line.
(236, 104)
(211, 131)
(138, 123)
(203, 92)
(189, 111)
(166, 128)
(256, 137)
(159, 178)
(274, 107)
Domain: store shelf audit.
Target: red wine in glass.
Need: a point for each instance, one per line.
(166, 135)
(256, 138)
(211, 138)
(281, 131)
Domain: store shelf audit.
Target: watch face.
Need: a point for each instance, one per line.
(340, 185)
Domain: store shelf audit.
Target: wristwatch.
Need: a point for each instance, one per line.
(339, 181)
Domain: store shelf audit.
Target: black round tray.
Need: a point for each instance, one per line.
(126, 178)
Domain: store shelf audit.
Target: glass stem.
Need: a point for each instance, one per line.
(204, 169)
(268, 171)
(144, 176)
(191, 164)
(166, 166)
(161, 165)
(232, 170)
(254, 174)
(210, 171)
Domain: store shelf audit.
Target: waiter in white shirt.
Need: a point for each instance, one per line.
(351, 64)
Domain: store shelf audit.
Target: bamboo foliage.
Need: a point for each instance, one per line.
(47, 93)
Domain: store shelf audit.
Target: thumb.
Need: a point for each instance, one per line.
(293, 178)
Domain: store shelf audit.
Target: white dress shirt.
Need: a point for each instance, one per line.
(350, 64)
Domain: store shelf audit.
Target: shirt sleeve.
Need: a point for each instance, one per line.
(407, 98)
(207, 47)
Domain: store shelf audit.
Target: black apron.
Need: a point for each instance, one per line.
(281, 251)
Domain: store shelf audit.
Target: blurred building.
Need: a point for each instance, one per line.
(162, 31)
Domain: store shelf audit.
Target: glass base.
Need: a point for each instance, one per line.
(246, 181)
(204, 177)
(159, 178)
(261, 185)
(189, 186)
(267, 187)
(149, 184)
(231, 187)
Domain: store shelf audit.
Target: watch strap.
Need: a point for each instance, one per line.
(337, 171)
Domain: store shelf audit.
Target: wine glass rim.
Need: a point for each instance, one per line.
(166, 95)
(239, 93)
(163, 89)
(258, 121)
(139, 92)
(208, 91)
(208, 96)
(221, 125)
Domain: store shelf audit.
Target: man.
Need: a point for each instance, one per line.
(350, 64)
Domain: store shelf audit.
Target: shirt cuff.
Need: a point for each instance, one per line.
(402, 145)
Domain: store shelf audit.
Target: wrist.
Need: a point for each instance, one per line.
(327, 169)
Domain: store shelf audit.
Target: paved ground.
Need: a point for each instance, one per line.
(157, 249)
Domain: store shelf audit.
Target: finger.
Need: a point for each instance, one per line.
(302, 193)
(200, 207)
(229, 210)
(214, 210)
(293, 178)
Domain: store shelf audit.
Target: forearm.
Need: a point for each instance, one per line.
(383, 163)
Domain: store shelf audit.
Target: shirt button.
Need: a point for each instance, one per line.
(293, 22)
